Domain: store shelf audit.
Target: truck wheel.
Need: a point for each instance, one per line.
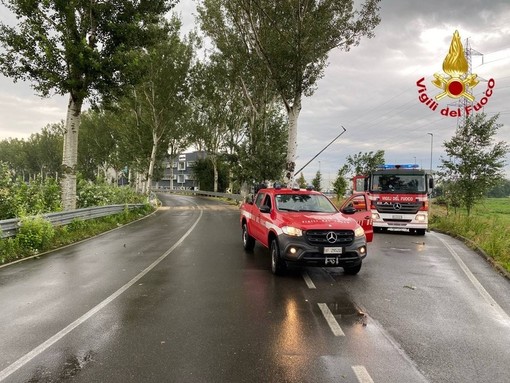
(352, 270)
(248, 240)
(420, 231)
(278, 265)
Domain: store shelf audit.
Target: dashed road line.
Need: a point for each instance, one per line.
(308, 280)
(362, 374)
(333, 324)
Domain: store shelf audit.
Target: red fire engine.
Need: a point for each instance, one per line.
(398, 196)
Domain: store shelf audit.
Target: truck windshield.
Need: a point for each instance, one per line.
(316, 203)
(399, 183)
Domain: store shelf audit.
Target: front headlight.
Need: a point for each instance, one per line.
(292, 231)
(359, 232)
(420, 217)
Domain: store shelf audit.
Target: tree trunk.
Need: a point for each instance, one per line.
(171, 173)
(70, 155)
(230, 181)
(215, 170)
(152, 162)
(292, 115)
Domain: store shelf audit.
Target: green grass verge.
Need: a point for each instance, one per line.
(488, 227)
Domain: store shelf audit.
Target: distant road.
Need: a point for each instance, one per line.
(174, 298)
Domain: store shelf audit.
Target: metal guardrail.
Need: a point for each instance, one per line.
(235, 197)
(9, 227)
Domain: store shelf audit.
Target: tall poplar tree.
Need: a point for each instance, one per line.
(161, 100)
(217, 110)
(87, 49)
(291, 40)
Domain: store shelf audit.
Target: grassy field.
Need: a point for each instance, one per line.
(488, 227)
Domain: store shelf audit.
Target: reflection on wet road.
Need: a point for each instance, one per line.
(174, 298)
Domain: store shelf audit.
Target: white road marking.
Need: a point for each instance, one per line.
(362, 374)
(484, 293)
(55, 338)
(333, 324)
(308, 280)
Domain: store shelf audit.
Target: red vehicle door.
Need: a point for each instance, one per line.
(255, 224)
(357, 206)
(258, 228)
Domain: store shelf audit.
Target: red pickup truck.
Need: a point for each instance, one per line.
(303, 226)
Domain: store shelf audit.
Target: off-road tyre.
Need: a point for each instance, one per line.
(278, 265)
(248, 240)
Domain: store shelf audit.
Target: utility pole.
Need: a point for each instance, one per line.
(430, 194)
(463, 102)
(431, 146)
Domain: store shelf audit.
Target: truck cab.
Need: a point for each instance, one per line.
(399, 196)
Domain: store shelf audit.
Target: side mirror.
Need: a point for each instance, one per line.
(265, 209)
(349, 210)
(431, 183)
(249, 199)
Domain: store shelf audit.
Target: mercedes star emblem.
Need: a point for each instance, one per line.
(331, 237)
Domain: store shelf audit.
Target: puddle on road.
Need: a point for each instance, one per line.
(71, 368)
(347, 312)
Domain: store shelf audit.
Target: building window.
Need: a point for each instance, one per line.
(191, 164)
(182, 165)
(180, 178)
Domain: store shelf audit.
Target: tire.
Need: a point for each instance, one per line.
(352, 270)
(420, 231)
(278, 265)
(248, 240)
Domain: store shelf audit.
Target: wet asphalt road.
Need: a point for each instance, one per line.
(174, 298)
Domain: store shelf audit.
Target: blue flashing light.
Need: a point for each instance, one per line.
(400, 166)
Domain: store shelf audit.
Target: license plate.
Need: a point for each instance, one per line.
(331, 261)
(333, 250)
(396, 216)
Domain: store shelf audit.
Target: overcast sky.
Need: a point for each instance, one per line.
(371, 90)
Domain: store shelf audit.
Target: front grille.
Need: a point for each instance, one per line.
(398, 222)
(320, 237)
(398, 208)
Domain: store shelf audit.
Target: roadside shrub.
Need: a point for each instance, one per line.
(51, 192)
(35, 234)
(126, 194)
(92, 194)
(101, 194)
(76, 225)
(7, 206)
(9, 250)
(19, 198)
